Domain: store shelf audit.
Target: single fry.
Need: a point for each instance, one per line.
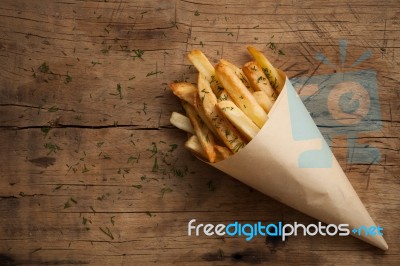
(182, 122)
(184, 91)
(193, 144)
(248, 129)
(276, 80)
(240, 95)
(263, 100)
(239, 73)
(257, 79)
(204, 135)
(203, 65)
(225, 130)
(200, 111)
(222, 152)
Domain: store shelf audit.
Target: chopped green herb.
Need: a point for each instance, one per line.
(107, 232)
(36, 250)
(57, 187)
(165, 190)
(132, 158)
(106, 156)
(271, 45)
(137, 186)
(53, 109)
(103, 197)
(154, 149)
(85, 169)
(153, 73)
(197, 13)
(67, 205)
(155, 165)
(46, 130)
(144, 108)
(68, 79)
(173, 23)
(173, 147)
(180, 172)
(149, 214)
(211, 185)
(138, 54)
(119, 92)
(53, 148)
(106, 50)
(95, 63)
(44, 67)
(280, 52)
(112, 220)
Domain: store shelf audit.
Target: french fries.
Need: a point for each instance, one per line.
(182, 122)
(226, 131)
(240, 94)
(193, 144)
(238, 119)
(204, 135)
(239, 73)
(270, 71)
(257, 79)
(203, 65)
(229, 105)
(184, 91)
(263, 100)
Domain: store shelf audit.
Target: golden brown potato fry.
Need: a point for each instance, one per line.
(225, 130)
(222, 152)
(204, 135)
(193, 144)
(263, 100)
(248, 129)
(182, 122)
(239, 73)
(200, 111)
(276, 80)
(258, 80)
(203, 65)
(184, 91)
(240, 95)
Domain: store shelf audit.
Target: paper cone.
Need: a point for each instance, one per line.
(290, 161)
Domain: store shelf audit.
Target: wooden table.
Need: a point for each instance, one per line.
(91, 170)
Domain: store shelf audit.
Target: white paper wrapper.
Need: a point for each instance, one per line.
(277, 164)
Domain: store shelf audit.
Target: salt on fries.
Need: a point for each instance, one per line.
(228, 106)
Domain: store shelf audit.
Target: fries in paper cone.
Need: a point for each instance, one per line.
(251, 124)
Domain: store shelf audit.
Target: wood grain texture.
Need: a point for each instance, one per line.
(91, 170)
